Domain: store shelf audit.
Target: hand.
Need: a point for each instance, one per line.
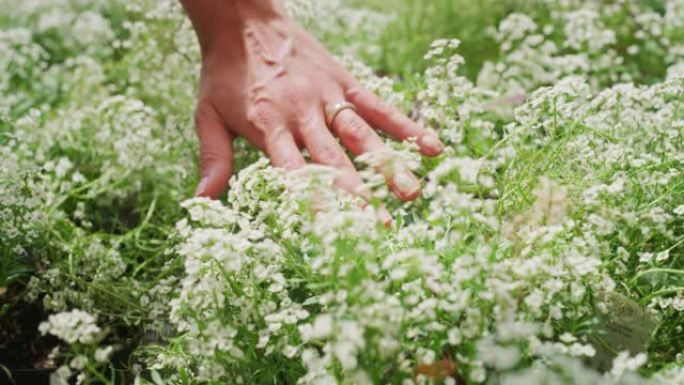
(271, 82)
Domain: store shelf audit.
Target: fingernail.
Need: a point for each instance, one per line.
(384, 216)
(432, 143)
(202, 186)
(406, 184)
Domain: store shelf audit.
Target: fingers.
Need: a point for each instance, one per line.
(382, 115)
(283, 151)
(355, 133)
(360, 138)
(325, 150)
(279, 143)
(216, 153)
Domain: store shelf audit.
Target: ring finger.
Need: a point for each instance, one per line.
(360, 138)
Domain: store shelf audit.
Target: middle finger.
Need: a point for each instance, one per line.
(325, 150)
(360, 138)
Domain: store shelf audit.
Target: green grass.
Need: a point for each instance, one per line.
(419, 22)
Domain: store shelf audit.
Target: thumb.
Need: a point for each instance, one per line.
(216, 154)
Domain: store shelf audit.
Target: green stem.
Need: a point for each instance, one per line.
(656, 270)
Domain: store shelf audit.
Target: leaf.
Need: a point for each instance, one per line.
(8, 373)
(625, 327)
(157, 378)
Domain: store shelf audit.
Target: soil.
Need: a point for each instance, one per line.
(23, 351)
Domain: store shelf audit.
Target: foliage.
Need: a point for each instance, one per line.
(552, 226)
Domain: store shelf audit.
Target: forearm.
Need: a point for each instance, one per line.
(220, 24)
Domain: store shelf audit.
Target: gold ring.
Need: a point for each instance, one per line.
(332, 113)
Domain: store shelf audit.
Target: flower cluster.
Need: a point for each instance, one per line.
(610, 43)
(80, 331)
(74, 326)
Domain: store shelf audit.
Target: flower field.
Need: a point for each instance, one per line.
(547, 247)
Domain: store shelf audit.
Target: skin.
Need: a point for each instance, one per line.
(266, 79)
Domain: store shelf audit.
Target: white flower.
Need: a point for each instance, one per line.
(645, 257)
(567, 338)
(679, 210)
(579, 350)
(478, 374)
(454, 336)
(662, 256)
(79, 362)
(102, 354)
(498, 356)
(362, 378)
(345, 352)
(62, 167)
(61, 375)
(623, 362)
(321, 328)
(535, 300)
(290, 351)
(73, 326)
(426, 356)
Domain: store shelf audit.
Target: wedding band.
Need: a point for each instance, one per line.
(332, 113)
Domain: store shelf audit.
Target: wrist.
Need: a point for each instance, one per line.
(220, 24)
(259, 9)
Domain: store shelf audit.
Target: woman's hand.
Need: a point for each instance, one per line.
(267, 80)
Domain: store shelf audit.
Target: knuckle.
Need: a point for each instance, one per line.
(210, 156)
(353, 92)
(298, 93)
(346, 79)
(262, 115)
(383, 108)
(203, 112)
(290, 164)
(307, 124)
(330, 154)
(376, 105)
(276, 137)
(354, 128)
(296, 96)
